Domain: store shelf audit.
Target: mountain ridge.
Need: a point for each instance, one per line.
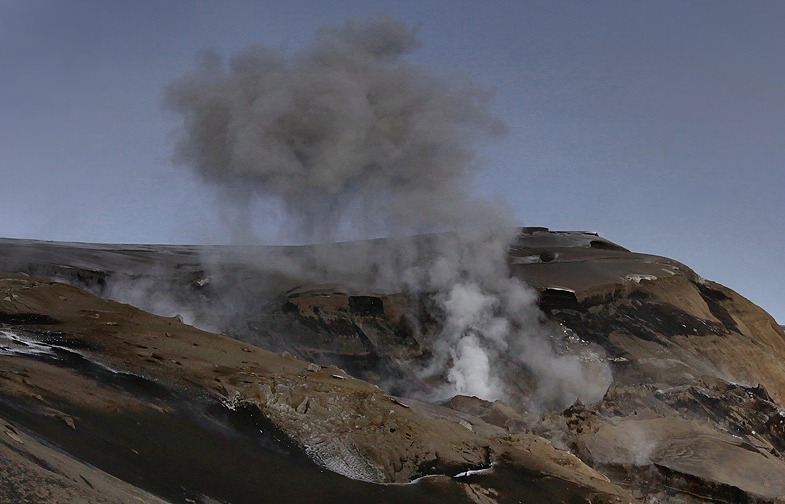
(690, 412)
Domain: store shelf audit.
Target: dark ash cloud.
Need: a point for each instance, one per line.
(345, 135)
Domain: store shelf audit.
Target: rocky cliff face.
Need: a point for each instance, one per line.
(691, 379)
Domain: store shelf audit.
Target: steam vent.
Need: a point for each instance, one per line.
(586, 373)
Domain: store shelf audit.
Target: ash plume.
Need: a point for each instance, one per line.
(345, 136)
(347, 139)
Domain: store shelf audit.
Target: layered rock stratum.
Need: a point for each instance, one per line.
(310, 394)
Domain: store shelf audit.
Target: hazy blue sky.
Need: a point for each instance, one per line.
(659, 124)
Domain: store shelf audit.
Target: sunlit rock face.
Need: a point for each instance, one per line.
(660, 385)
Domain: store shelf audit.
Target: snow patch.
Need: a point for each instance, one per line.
(342, 456)
(485, 470)
(12, 343)
(638, 278)
(562, 289)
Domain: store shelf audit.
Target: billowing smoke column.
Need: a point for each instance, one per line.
(348, 139)
(345, 135)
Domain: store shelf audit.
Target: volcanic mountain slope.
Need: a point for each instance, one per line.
(692, 411)
(102, 402)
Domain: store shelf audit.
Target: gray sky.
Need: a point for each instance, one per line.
(659, 124)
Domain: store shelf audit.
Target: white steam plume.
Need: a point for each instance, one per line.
(350, 140)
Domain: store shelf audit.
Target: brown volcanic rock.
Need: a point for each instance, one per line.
(694, 413)
(682, 327)
(496, 413)
(184, 414)
(693, 364)
(659, 443)
(669, 326)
